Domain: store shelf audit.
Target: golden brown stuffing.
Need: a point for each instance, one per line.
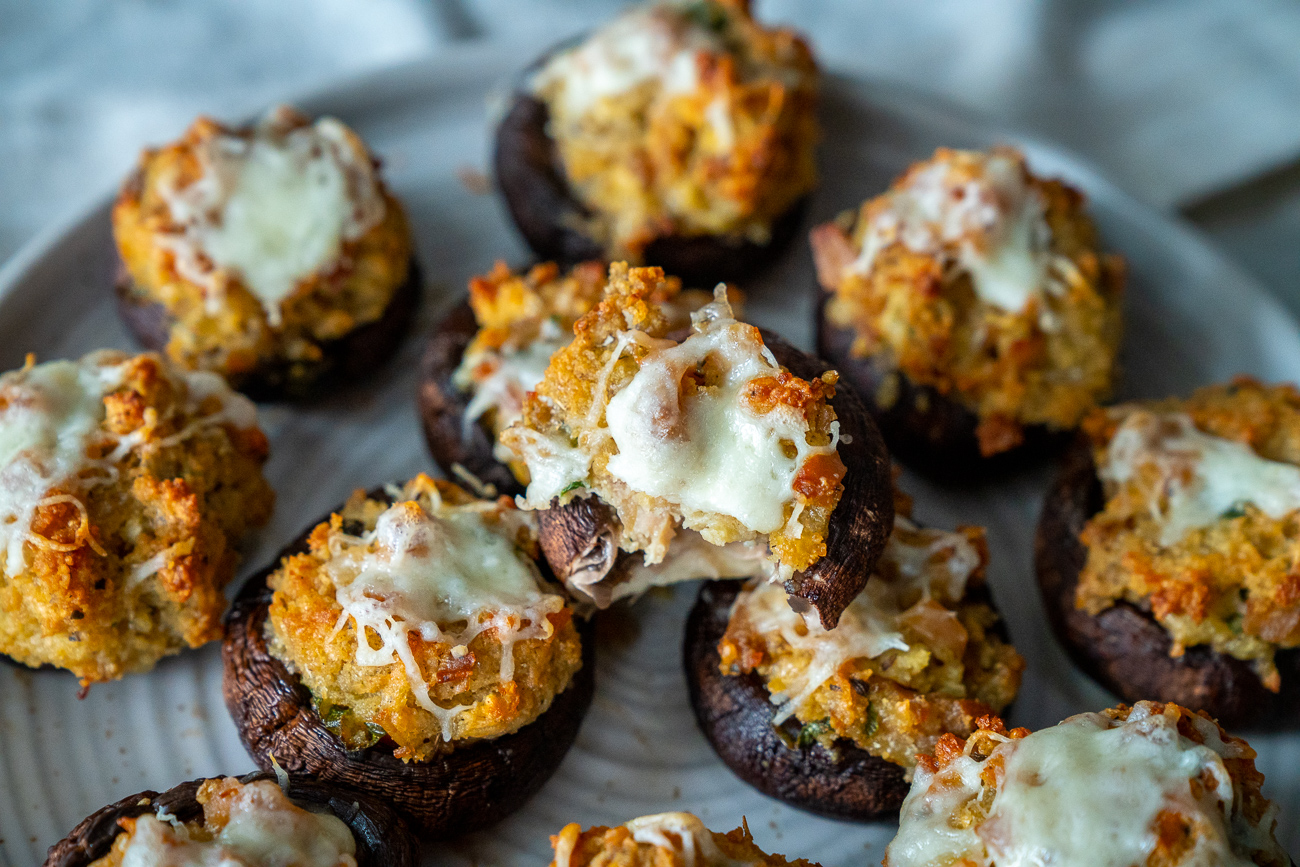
(1229, 580)
(523, 319)
(565, 436)
(1202, 820)
(909, 662)
(301, 838)
(222, 320)
(664, 840)
(684, 119)
(119, 540)
(977, 278)
(463, 691)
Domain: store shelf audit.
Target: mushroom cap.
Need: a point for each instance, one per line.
(471, 787)
(1124, 648)
(382, 837)
(580, 538)
(442, 406)
(351, 357)
(531, 177)
(926, 429)
(735, 715)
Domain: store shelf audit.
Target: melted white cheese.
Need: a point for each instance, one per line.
(710, 452)
(445, 576)
(499, 380)
(1201, 476)
(647, 43)
(265, 830)
(996, 222)
(917, 565)
(52, 418)
(273, 209)
(1085, 793)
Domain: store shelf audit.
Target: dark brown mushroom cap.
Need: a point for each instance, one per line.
(1124, 648)
(472, 787)
(351, 357)
(925, 429)
(735, 715)
(531, 177)
(381, 836)
(442, 406)
(580, 541)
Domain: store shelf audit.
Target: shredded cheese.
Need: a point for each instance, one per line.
(445, 575)
(51, 422)
(1200, 476)
(710, 451)
(499, 380)
(684, 834)
(995, 222)
(1087, 792)
(647, 43)
(265, 829)
(272, 208)
(917, 567)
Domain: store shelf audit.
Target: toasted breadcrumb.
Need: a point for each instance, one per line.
(724, 156)
(365, 703)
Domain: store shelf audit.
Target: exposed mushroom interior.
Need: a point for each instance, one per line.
(703, 441)
(1156, 784)
(253, 824)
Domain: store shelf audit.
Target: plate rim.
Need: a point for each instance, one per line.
(461, 60)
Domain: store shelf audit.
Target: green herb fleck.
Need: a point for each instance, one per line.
(813, 732)
(572, 486)
(873, 721)
(707, 15)
(1236, 510)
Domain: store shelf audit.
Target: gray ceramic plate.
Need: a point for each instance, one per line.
(1193, 319)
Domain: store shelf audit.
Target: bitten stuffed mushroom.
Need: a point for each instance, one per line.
(971, 308)
(1151, 784)
(1167, 548)
(410, 647)
(489, 352)
(724, 453)
(681, 134)
(662, 840)
(272, 254)
(831, 720)
(125, 486)
(251, 821)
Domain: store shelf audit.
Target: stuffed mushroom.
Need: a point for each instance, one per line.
(681, 134)
(831, 720)
(251, 821)
(1167, 546)
(490, 351)
(718, 452)
(272, 254)
(126, 484)
(663, 840)
(971, 307)
(1151, 784)
(411, 647)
